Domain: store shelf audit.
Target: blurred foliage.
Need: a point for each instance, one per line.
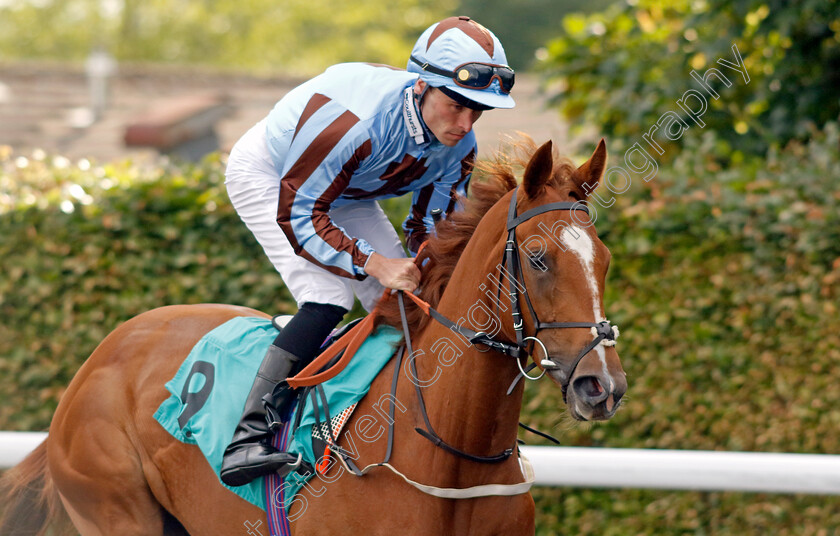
(523, 26)
(289, 37)
(297, 36)
(725, 283)
(85, 247)
(623, 68)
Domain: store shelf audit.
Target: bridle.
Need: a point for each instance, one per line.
(603, 332)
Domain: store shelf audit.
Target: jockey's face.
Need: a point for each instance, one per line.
(448, 120)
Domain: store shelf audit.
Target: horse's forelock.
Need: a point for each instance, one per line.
(517, 153)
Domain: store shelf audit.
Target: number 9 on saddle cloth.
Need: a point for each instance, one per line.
(209, 389)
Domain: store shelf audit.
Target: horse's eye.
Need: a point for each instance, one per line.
(538, 262)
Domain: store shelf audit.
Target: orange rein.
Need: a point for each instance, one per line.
(349, 342)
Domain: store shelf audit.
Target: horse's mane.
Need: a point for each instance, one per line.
(491, 180)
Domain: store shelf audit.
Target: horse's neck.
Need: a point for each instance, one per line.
(467, 404)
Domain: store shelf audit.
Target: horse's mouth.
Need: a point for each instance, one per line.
(583, 412)
(576, 415)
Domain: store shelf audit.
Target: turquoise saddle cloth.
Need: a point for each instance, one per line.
(208, 392)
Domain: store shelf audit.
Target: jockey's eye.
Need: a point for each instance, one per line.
(538, 262)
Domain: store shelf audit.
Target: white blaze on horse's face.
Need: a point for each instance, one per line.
(578, 241)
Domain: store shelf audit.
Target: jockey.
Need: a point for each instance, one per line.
(305, 181)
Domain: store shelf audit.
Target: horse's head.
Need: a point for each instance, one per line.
(563, 265)
(557, 274)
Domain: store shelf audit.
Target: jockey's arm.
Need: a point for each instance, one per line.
(441, 194)
(311, 182)
(306, 194)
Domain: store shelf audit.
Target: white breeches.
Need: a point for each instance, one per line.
(253, 185)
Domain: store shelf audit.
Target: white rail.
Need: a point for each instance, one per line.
(686, 470)
(629, 468)
(14, 446)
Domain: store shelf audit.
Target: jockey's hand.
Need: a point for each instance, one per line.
(400, 274)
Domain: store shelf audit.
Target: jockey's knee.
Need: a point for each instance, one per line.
(310, 326)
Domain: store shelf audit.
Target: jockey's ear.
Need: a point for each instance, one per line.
(538, 170)
(587, 176)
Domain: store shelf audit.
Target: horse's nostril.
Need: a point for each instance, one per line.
(590, 390)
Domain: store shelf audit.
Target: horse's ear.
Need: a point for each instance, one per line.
(587, 176)
(538, 170)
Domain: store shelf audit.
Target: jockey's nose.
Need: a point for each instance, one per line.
(466, 119)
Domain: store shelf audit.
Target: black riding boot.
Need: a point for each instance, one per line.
(250, 454)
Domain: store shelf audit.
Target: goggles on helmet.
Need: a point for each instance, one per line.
(474, 75)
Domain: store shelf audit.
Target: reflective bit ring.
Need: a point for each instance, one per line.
(545, 353)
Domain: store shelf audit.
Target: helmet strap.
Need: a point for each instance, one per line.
(419, 98)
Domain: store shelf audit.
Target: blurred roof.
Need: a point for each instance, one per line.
(48, 106)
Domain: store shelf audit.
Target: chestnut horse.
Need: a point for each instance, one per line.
(110, 469)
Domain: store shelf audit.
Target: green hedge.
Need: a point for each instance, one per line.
(724, 283)
(85, 249)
